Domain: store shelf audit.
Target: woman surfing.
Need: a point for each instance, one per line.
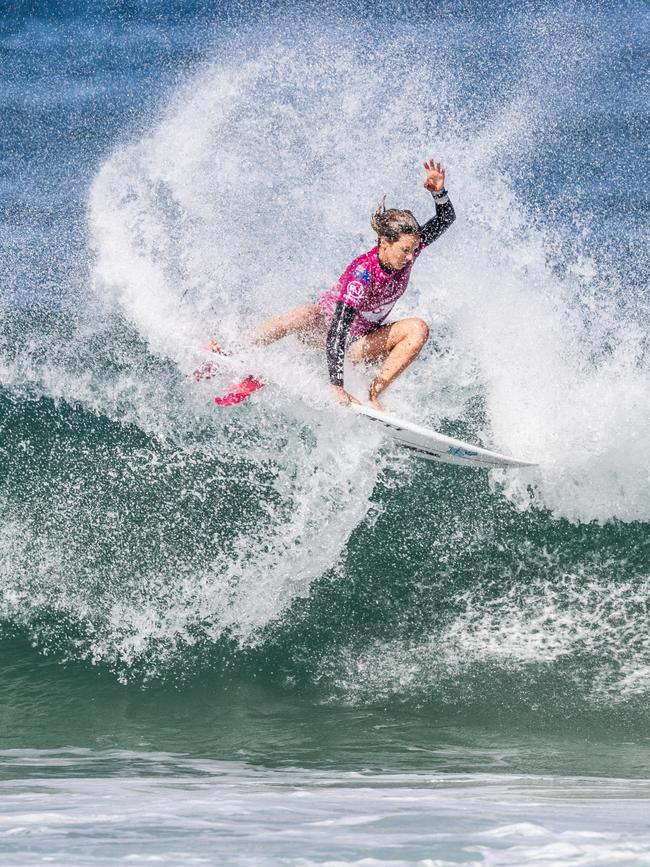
(351, 316)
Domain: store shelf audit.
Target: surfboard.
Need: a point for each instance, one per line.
(428, 443)
(419, 440)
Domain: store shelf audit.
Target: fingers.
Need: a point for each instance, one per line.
(344, 397)
(434, 166)
(341, 395)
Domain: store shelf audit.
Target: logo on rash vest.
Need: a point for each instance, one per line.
(354, 290)
(363, 274)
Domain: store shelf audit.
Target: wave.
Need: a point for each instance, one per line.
(162, 527)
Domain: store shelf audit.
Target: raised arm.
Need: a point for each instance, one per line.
(445, 214)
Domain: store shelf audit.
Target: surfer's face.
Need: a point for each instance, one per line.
(398, 254)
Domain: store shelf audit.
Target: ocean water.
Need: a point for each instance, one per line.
(263, 635)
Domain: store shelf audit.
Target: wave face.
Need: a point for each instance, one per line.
(145, 531)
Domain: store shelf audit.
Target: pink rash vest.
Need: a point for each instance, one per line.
(372, 291)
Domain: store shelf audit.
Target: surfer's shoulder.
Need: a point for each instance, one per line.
(364, 266)
(364, 258)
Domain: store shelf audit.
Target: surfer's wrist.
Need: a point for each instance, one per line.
(440, 197)
(342, 395)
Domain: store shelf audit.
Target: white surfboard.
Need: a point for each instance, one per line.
(428, 443)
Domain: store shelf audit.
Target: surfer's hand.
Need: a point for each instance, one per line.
(435, 179)
(343, 396)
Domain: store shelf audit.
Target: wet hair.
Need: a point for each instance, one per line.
(393, 223)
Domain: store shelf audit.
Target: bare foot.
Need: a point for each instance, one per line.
(376, 387)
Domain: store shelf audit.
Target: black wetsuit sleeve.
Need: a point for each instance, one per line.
(337, 338)
(445, 216)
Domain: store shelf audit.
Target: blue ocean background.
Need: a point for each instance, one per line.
(265, 635)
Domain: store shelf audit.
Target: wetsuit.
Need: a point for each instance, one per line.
(365, 293)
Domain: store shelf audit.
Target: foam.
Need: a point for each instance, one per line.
(583, 627)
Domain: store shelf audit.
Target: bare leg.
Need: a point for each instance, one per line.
(398, 344)
(307, 322)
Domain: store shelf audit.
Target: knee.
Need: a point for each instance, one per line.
(419, 332)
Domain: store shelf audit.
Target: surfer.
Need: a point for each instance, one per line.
(351, 316)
